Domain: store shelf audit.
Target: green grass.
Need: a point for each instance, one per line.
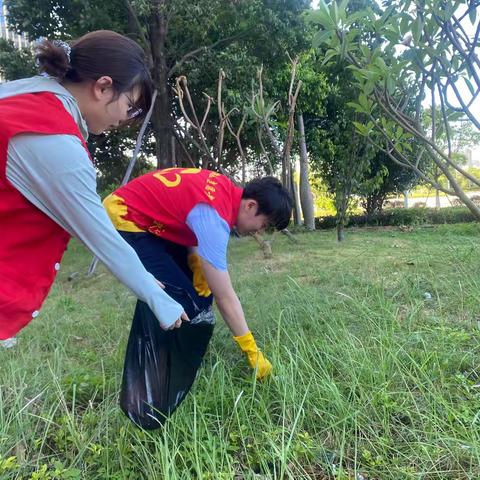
(372, 380)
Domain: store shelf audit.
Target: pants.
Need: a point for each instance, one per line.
(167, 262)
(161, 366)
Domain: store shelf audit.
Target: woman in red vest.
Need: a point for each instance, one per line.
(47, 179)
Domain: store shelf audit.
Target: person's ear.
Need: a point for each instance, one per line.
(102, 87)
(252, 205)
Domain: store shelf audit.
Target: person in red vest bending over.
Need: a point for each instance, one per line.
(48, 181)
(179, 221)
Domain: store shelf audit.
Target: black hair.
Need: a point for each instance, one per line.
(273, 200)
(97, 54)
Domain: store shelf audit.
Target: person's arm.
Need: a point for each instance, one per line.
(212, 233)
(226, 299)
(232, 312)
(55, 174)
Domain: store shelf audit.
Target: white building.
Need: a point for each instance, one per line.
(20, 41)
(473, 157)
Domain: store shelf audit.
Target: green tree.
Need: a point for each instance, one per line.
(340, 154)
(419, 48)
(111, 152)
(15, 63)
(180, 37)
(385, 177)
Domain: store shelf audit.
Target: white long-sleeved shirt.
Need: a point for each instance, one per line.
(55, 173)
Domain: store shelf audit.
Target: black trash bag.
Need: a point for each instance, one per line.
(160, 367)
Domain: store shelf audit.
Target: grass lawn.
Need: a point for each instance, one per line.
(375, 345)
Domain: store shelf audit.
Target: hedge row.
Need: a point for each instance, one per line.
(403, 216)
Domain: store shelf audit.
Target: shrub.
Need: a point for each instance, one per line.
(403, 216)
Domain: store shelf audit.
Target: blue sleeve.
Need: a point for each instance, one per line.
(212, 233)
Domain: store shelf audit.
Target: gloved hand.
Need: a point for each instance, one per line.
(199, 281)
(255, 357)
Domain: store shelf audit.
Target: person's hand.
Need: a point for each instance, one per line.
(199, 281)
(178, 322)
(183, 317)
(255, 357)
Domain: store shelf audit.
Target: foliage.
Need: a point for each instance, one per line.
(111, 152)
(202, 37)
(15, 63)
(339, 154)
(65, 19)
(397, 54)
(387, 177)
(403, 216)
(323, 201)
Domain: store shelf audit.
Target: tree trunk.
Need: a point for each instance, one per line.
(460, 193)
(297, 214)
(405, 199)
(306, 197)
(437, 198)
(341, 229)
(342, 214)
(265, 245)
(244, 171)
(161, 119)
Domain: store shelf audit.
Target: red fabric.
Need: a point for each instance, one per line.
(31, 244)
(159, 202)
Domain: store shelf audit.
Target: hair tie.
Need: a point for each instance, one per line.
(64, 46)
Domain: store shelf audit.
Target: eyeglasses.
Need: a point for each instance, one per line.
(133, 111)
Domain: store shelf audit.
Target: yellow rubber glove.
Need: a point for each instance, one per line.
(255, 357)
(199, 281)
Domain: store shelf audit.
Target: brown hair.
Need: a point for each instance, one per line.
(97, 54)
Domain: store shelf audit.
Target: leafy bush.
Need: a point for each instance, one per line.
(403, 216)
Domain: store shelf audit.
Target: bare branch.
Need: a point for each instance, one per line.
(267, 156)
(187, 154)
(221, 116)
(262, 115)
(182, 88)
(404, 122)
(207, 110)
(407, 164)
(239, 143)
(293, 75)
(180, 96)
(445, 120)
(464, 107)
(188, 135)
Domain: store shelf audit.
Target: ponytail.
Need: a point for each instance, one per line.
(53, 58)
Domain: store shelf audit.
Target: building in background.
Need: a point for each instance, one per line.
(473, 157)
(20, 41)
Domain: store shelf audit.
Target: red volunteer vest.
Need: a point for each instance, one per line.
(31, 244)
(159, 202)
